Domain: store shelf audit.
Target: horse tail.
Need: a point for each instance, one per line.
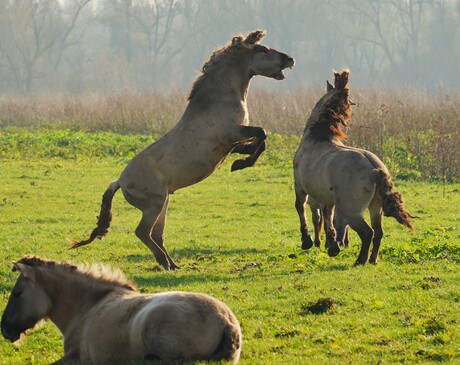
(105, 216)
(230, 345)
(392, 202)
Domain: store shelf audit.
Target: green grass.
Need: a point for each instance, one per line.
(236, 237)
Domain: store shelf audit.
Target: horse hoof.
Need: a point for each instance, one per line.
(333, 250)
(360, 263)
(307, 243)
(238, 165)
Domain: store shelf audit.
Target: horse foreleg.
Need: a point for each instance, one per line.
(300, 203)
(332, 246)
(249, 161)
(317, 218)
(246, 148)
(254, 148)
(341, 228)
(157, 234)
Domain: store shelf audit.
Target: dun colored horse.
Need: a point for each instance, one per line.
(214, 123)
(105, 320)
(349, 180)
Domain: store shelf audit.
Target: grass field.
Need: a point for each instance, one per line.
(236, 237)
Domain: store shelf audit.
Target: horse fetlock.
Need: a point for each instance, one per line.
(333, 249)
(163, 260)
(361, 261)
(373, 260)
(307, 242)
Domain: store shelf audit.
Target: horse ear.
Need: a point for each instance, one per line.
(26, 270)
(341, 80)
(236, 40)
(255, 36)
(329, 87)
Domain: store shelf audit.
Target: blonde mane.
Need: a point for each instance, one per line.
(99, 273)
(332, 111)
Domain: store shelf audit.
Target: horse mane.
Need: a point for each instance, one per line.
(223, 53)
(332, 111)
(98, 273)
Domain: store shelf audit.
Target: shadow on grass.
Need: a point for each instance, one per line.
(194, 264)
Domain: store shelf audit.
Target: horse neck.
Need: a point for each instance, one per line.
(70, 296)
(229, 79)
(309, 138)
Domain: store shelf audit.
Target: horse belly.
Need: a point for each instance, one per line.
(173, 166)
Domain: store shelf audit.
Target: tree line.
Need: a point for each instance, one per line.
(78, 46)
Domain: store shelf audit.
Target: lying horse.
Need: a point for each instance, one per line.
(104, 319)
(349, 180)
(214, 123)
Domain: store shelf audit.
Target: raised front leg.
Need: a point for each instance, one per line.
(249, 140)
(300, 203)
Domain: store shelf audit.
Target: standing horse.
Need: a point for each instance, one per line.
(105, 320)
(214, 123)
(349, 180)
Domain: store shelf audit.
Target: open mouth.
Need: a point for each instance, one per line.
(288, 64)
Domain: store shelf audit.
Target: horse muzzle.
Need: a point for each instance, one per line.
(288, 62)
(10, 334)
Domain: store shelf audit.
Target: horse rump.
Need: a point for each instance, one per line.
(230, 345)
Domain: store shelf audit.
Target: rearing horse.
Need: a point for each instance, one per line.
(214, 123)
(349, 180)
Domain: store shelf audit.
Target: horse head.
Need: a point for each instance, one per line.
(332, 110)
(263, 60)
(28, 303)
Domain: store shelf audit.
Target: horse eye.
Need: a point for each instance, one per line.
(262, 49)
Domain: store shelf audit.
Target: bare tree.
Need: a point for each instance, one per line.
(30, 30)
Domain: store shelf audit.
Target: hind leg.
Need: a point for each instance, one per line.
(365, 233)
(300, 201)
(150, 215)
(375, 212)
(158, 234)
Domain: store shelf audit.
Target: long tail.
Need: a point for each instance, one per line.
(392, 202)
(230, 346)
(105, 216)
